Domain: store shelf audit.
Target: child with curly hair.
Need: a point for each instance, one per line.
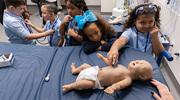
(141, 31)
(96, 32)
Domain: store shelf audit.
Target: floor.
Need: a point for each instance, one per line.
(35, 19)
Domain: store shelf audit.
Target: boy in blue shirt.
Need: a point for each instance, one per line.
(15, 27)
(49, 14)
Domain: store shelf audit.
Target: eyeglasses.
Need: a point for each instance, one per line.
(141, 8)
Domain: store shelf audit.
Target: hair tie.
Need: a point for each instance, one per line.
(142, 8)
(81, 20)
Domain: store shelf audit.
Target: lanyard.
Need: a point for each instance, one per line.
(147, 40)
(51, 36)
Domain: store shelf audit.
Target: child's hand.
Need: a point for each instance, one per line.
(112, 56)
(66, 20)
(103, 42)
(154, 31)
(71, 32)
(28, 22)
(49, 32)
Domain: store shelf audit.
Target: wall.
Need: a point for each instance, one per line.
(170, 20)
(88, 2)
(107, 5)
(30, 3)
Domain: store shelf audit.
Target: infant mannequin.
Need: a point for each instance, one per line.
(115, 21)
(116, 78)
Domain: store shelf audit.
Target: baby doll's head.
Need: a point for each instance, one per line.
(140, 70)
(75, 7)
(48, 10)
(144, 17)
(16, 7)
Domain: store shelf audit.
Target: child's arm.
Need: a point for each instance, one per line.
(63, 25)
(102, 43)
(113, 54)
(118, 86)
(76, 36)
(90, 46)
(61, 40)
(39, 35)
(107, 45)
(157, 45)
(34, 27)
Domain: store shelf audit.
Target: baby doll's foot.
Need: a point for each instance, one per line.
(115, 21)
(110, 21)
(66, 88)
(73, 68)
(100, 56)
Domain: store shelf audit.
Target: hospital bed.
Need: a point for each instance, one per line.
(25, 78)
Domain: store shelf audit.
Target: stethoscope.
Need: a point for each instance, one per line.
(29, 29)
(145, 44)
(27, 26)
(51, 36)
(147, 41)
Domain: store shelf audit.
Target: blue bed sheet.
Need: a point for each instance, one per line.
(24, 80)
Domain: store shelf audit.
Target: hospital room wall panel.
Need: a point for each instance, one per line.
(170, 25)
(88, 2)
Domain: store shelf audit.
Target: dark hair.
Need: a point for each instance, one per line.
(134, 14)
(79, 4)
(106, 28)
(14, 3)
(51, 7)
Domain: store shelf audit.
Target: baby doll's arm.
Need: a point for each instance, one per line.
(34, 27)
(157, 45)
(104, 59)
(118, 86)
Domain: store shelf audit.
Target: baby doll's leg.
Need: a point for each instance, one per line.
(79, 85)
(115, 21)
(80, 68)
(104, 59)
